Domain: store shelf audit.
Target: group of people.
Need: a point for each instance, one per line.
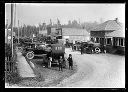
(61, 62)
(70, 62)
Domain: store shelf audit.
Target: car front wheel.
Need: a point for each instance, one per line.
(30, 55)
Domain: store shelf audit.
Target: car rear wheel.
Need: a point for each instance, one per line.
(30, 55)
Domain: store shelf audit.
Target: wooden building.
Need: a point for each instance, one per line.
(104, 33)
(75, 34)
(8, 35)
(116, 42)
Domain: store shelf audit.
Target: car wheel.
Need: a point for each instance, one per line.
(97, 50)
(30, 55)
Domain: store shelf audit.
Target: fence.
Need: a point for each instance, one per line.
(11, 73)
(10, 67)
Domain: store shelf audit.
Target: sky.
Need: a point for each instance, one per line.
(35, 13)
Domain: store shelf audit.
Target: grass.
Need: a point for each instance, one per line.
(12, 77)
(52, 76)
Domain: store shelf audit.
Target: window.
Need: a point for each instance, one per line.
(92, 39)
(97, 40)
(121, 42)
(108, 40)
(59, 37)
(58, 48)
(124, 42)
(115, 41)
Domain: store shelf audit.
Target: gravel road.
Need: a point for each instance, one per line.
(93, 70)
(96, 70)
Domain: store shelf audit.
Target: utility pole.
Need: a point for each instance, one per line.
(50, 22)
(15, 17)
(12, 28)
(7, 30)
(21, 30)
(18, 31)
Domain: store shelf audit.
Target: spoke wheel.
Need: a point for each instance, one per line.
(97, 50)
(30, 55)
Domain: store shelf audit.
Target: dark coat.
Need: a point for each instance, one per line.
(70, 61)
(60, 61)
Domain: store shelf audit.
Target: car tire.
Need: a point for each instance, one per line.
(97, 50)
(30, 55)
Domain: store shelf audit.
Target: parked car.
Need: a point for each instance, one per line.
(77, 45)
(57, 51)
(91, 47)
(44, 51)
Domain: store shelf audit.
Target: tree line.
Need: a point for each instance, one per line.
(25, 30)
(29, 30)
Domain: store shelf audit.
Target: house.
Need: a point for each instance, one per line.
(98, 34)
(107, 33)
(43, 32)
(74, 34)
(116, 40)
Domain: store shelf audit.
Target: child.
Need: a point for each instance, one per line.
(61, 63)
(70, 62)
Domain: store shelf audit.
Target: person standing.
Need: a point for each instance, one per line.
(49, 63)
(72, 47)
(61, 63)
(70, 62)
(81, 49)
(104, 48)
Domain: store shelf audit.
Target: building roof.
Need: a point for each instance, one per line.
(118, 33)
(53, 32)
(74, 32)
(108, 26)
(43, 32)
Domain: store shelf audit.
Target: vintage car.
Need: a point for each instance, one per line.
(44, 51)
(34, 49)
(91, 47)
(57, 50)
(77, 45)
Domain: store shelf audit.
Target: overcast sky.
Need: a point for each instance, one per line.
(33, 14)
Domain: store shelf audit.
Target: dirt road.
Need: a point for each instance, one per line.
(96, 70)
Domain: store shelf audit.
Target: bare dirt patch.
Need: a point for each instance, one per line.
(51, 75)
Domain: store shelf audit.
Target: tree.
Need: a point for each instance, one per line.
(89, 26)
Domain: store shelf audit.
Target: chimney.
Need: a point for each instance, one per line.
(116, 19)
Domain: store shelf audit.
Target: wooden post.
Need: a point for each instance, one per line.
(112, 41)
(18, 31)
(12, 28)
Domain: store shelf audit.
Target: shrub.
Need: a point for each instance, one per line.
(11, 77)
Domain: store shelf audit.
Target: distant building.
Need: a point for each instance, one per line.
(43, 29)
(44, 32)
(75, 34)
(8, 35)
(48, 30)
